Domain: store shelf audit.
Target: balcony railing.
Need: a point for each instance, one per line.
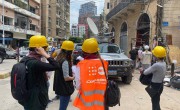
(38, 1)
(121, 5)
(18, 30)
(19, 9)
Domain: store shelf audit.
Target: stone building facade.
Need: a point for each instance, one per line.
(135, 22)
(171, 21)
(132, 22)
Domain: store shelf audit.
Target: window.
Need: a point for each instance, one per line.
(108, 5)
(49, 31)
(7, 20)
(57, 22)
(32, 27)
(105, 48)
(49, 19)
(57, 31)
(32, 9)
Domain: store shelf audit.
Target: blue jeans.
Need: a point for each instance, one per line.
(64, 101)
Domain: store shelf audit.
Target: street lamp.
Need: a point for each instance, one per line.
(3, 24)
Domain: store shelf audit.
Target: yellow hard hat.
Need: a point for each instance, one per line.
(159, 52)
(67, 45)
(90, 45)
(38, 41)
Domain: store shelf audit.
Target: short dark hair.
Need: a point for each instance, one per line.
(161, 58)
(33, 48)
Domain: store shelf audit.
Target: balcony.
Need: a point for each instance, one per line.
(37, 1)
(19, 9)
(25, 1)
(122, 5)
(18, 30)
(58, 16)
(57, 4)
(57, 26)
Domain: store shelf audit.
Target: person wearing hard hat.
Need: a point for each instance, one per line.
(63, 78)
(91, 81)
(146, 58)
(158, 70)
(36, 78)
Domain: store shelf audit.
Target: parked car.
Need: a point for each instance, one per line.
(2, 54)
(10, 53)
(119, 64)
(23, 52)
(77, 50)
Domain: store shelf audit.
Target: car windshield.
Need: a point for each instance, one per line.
(78, 47)
(109, 48)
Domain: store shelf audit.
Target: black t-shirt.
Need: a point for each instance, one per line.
(133, 54)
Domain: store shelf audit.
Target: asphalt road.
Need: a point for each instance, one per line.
(133, 96)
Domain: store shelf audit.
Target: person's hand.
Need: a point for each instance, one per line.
(73, 77)
(42, 52)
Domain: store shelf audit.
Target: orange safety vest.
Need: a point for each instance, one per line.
(93, 85)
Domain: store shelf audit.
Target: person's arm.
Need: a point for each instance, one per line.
(150, 70)
(65, 68)
(77, 78)
(51, 66)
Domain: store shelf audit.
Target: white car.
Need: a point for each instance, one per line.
(23, 52)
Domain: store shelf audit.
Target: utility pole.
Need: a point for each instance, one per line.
(3, 24)
(159, 21)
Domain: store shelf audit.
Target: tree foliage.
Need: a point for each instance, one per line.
(76, 39)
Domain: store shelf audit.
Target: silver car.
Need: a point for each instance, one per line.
(10, 53)
(23, 52)
(119, 64)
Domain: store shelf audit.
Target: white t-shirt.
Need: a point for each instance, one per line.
(146, 57)
(76, 72)
(140, 53)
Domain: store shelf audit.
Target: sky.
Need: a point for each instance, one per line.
(75, 6)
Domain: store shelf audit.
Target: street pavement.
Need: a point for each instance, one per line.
(133, 96)
(6, 66)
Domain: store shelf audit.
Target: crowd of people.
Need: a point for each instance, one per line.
(85, 73)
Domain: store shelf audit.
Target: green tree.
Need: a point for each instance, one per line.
(76, 39)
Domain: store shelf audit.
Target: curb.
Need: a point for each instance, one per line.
(4, 75)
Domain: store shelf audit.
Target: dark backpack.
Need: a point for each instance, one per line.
(145, 79)
(113, 94)
(19, 87)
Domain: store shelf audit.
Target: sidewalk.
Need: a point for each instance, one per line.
(4, 73)
(5, 67)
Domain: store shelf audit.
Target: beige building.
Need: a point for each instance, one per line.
(136, 22)
(106, 6)
(21, 20)
(56, 19)
(171, 21)
(45, 18)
